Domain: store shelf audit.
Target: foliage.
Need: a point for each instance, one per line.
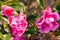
(33, 10)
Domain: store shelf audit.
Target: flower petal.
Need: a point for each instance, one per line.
(49, 20)
(55, 26)
(48, 10)
(55, 15)
(50, 25)
(7, 10)
(45, 28)
(39, 22)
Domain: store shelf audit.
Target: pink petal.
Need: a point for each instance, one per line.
(55, 26)
(7, 10)
(50, 25)
(42, 30)
(49, 20)
(39, 22)
(45, 28)
(55, 15)
(20, 33)
(48, 10)
(19, 38)
(10, 20)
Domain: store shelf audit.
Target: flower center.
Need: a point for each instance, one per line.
(46, 15)
(8, 11)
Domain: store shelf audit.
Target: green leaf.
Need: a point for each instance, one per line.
(30, 30)
(17, 5)
(58, 8)
(31, 18)
(1, 35)
(8, 36)
(0, 19)
(5, 19)
(5, 24)
(41, 2)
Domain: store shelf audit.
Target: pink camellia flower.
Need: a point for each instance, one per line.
(7, 10)
(18, 24)
(48, 21)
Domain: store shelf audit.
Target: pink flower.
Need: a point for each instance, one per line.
(7, 10)
(18, 24)
(48, 21)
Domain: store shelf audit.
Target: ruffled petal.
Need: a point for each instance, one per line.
(10, 20)
(48, 10)
(55, 26)
(55, 15)
(39, 22)
(50, 25)
(7, 10)
(45, 28)
(49, 20)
